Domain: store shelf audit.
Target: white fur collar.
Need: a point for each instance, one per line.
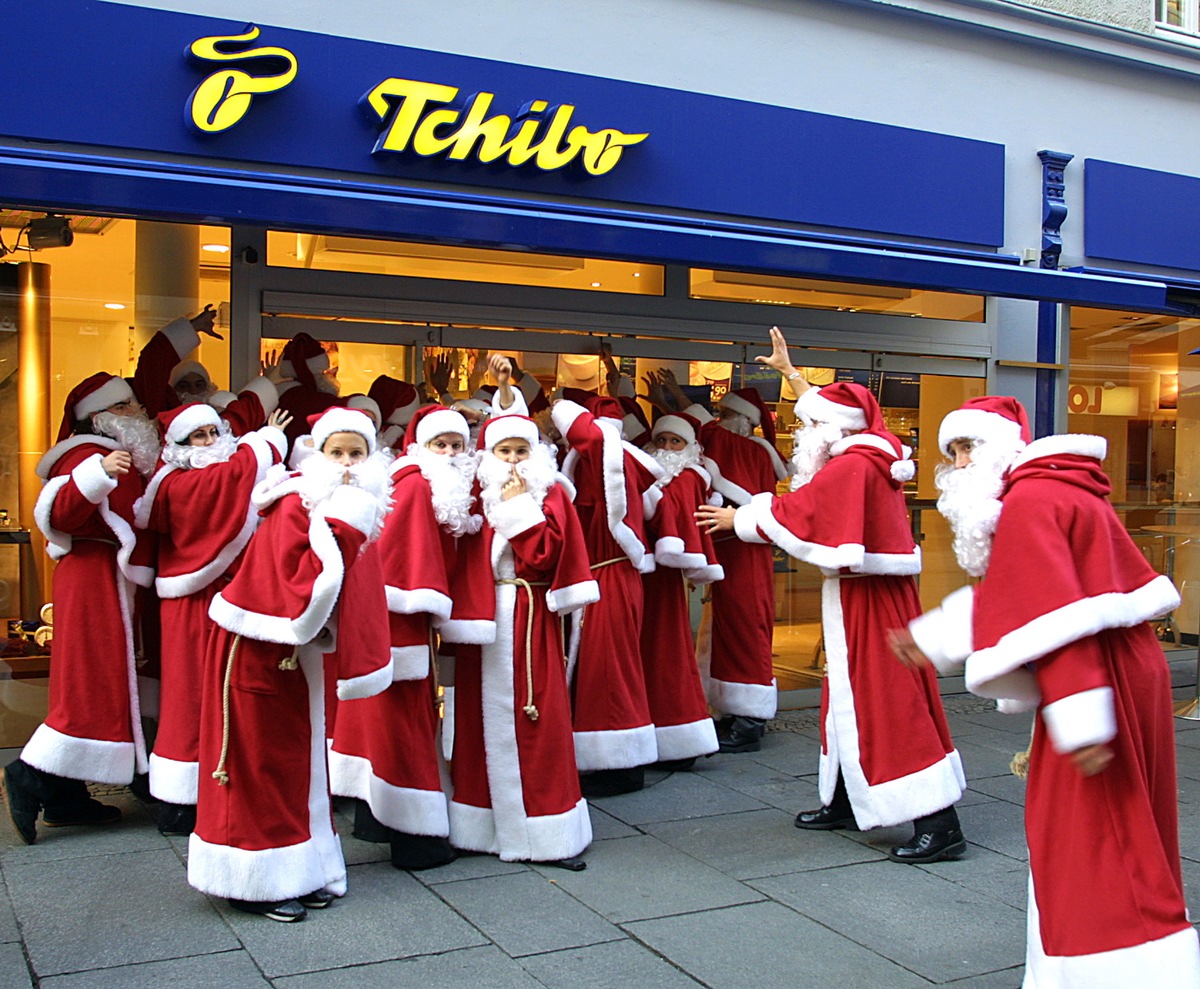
(1079, 444)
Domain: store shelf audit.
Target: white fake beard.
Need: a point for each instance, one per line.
(675, 462)
(319, 478)
(970, 502)
(450, 479)
(539, 473)
(197, 457)
(739, 424)
(811, 450)
(137, 435)
(185, 397)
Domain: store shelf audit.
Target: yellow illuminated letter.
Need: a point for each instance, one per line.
(223, 98)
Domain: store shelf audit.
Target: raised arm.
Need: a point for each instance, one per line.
(781, 362)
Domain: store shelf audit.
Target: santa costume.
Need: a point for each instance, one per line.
(198, 503)
(1106, 902)
(741, 678)
(385, 748)
(884, 735)
(398, 402)
(311, 391)
(515, 783)
(684, 554)
(615, 492)
(264, 829)
(155, 376)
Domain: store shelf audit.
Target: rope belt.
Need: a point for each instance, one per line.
(95, 539)
(289, 663)
(530, 710)
(609, 563)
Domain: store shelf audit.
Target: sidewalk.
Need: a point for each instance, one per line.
(699, 880)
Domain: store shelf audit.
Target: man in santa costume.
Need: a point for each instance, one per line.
(264, 837)
(398, 402)
(385, 748)
(741, 679)
(93, 476)
(311, 388)
(1059, 624)
(163, 379)
(515, 783)
(684, 554)
(198, 503)
(614, 736)
(886, 753)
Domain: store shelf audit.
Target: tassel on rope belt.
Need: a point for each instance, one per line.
(289, 663)
(530, 710)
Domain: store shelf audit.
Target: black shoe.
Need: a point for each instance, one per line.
(722, 725)
(318, 899)
(571, 865)
(675, 765)
(140, 788)
(744, 735)
(86, 812)
(611, 782)
(177, 819)
(23, 803)
(930, 846)
(287, 912)
(828, 818)
(366, 827)
(416, 852)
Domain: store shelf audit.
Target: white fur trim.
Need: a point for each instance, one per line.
(686, 741)
(401, 808)
(114, 391)
(569, 599)
(189, 419)
(862, 439)
(367, 685)
(447, 739)
(657, 471)
(174, 781)
(442, 421)
(92, 479)
(518, 407)
(1078, 720)
(944, 634)
(650, 499)
(509, 426)
(699, 413)
(410, 662)
(265, 391)
(52, 456)
(220, 399)
(811, 407)
(1079, 444)
(745, 520)
(93, 759)
(739, 405)
(615, 749)
(340, 420)
(184, 368)
(354, 506)
(669, 552)
(518, 514)
(782, 468)
(977, 424)
(473, 829)
(182, 336)
(276, 437)
(418, 600)
(732, 493)
(145, 504)
(676, 425)
(477, 631)
(746, 700)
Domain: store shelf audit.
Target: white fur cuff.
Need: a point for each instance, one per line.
(944, 634)
(511, 518)
(92, 479)
(1081, 719)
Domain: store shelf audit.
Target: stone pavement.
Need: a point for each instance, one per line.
(699, 880)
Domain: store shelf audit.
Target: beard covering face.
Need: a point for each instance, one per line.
(450, 479)
(137, 435)
(811, 450)
(675, 462)
(539, 472)
(738, 423)
(970, 502)
(319, 478)
(196, 457)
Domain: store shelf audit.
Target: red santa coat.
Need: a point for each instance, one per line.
(300, 402)
(93, 727)
(682, 725)
(204, 519)
(152, 376)
(613, 729)
(385, 748)
(882, 725)
(1106, 904)
(515, 782)
(741, 679)
(266, 832)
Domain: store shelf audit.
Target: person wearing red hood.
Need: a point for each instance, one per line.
(163, 379)
(398, 402)
(309, 389)
(1059, 623)
(886, 753)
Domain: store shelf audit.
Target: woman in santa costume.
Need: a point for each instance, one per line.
(1059, 624)
(741, 678)
(515, 783)
(93, 476)
(886, 753)
(684, 553)
(198, 503)
(264, 836)
(385, 748)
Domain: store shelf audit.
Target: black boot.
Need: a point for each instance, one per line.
(744, 735)
(366, 827)
(24, 803)
(935, 837)
(414, 852)
(833, 816)
(675, 765)
(177, 819)
(611, 782)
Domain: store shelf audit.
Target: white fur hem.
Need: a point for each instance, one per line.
(1077, 444)
(745, 700)
(368, 685)
(416, 601)
(264, 874)
(477, 631)
(686, 741)
(174, 781)
(564, 600)
(92, 759)
(401, 808)
(473, 829)
(617, 749)
(1082, 719)
(410, 662)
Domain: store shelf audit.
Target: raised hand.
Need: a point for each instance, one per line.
(438, 374)
(117, 462)
(204, 320)
(501, 369)
(514, 486)
(280, 419)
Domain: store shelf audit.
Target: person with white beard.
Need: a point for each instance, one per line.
(515, 783)
(385, 748)
(264, 836)
(93, 731)
(1059, 622)
(886, 752)
(198, 504)
(684, 554)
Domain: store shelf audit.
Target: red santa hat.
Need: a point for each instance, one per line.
(605, 407)
(579, 396)
(997, 419)
(364, 403)
(432, 421)
(749, 402)
(686, 427)
(179, 423)
(634, 426)
(341, 420)
(844, 404)
(303, 358)
(397, 400)
(184, 368)
(93, 394)
(509, 427)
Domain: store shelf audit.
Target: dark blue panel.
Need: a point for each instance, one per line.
(127, 83)
(1141, 216)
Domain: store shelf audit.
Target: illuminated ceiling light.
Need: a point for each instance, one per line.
(595, 284)
(637, 274)
(114, 305)
(215, 248)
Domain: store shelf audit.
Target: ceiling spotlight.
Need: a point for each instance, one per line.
(49, 231)
(215, 248)
(595, 284)
(114, 305)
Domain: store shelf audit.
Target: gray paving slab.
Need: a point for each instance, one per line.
(1009, 788)
(387, 914)
(117, 908)
(606, 826)
(9, 931)
(1009, 978)
(14, 971)
(768, 946)
(759, 843)
(485, 967)
(635, 878)
(677, 797)
(135, 831)
(791, 795)
(527, 912)
(988, 874)
(981, 759)
(881, 906)
(787, 752)
(228, 970)
(469, 866)
(603, 966)
(741, 770)
(999, 826)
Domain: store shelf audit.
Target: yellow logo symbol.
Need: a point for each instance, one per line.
(547, 139)
(222, 99)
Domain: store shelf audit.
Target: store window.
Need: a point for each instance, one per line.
(1176, 16)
